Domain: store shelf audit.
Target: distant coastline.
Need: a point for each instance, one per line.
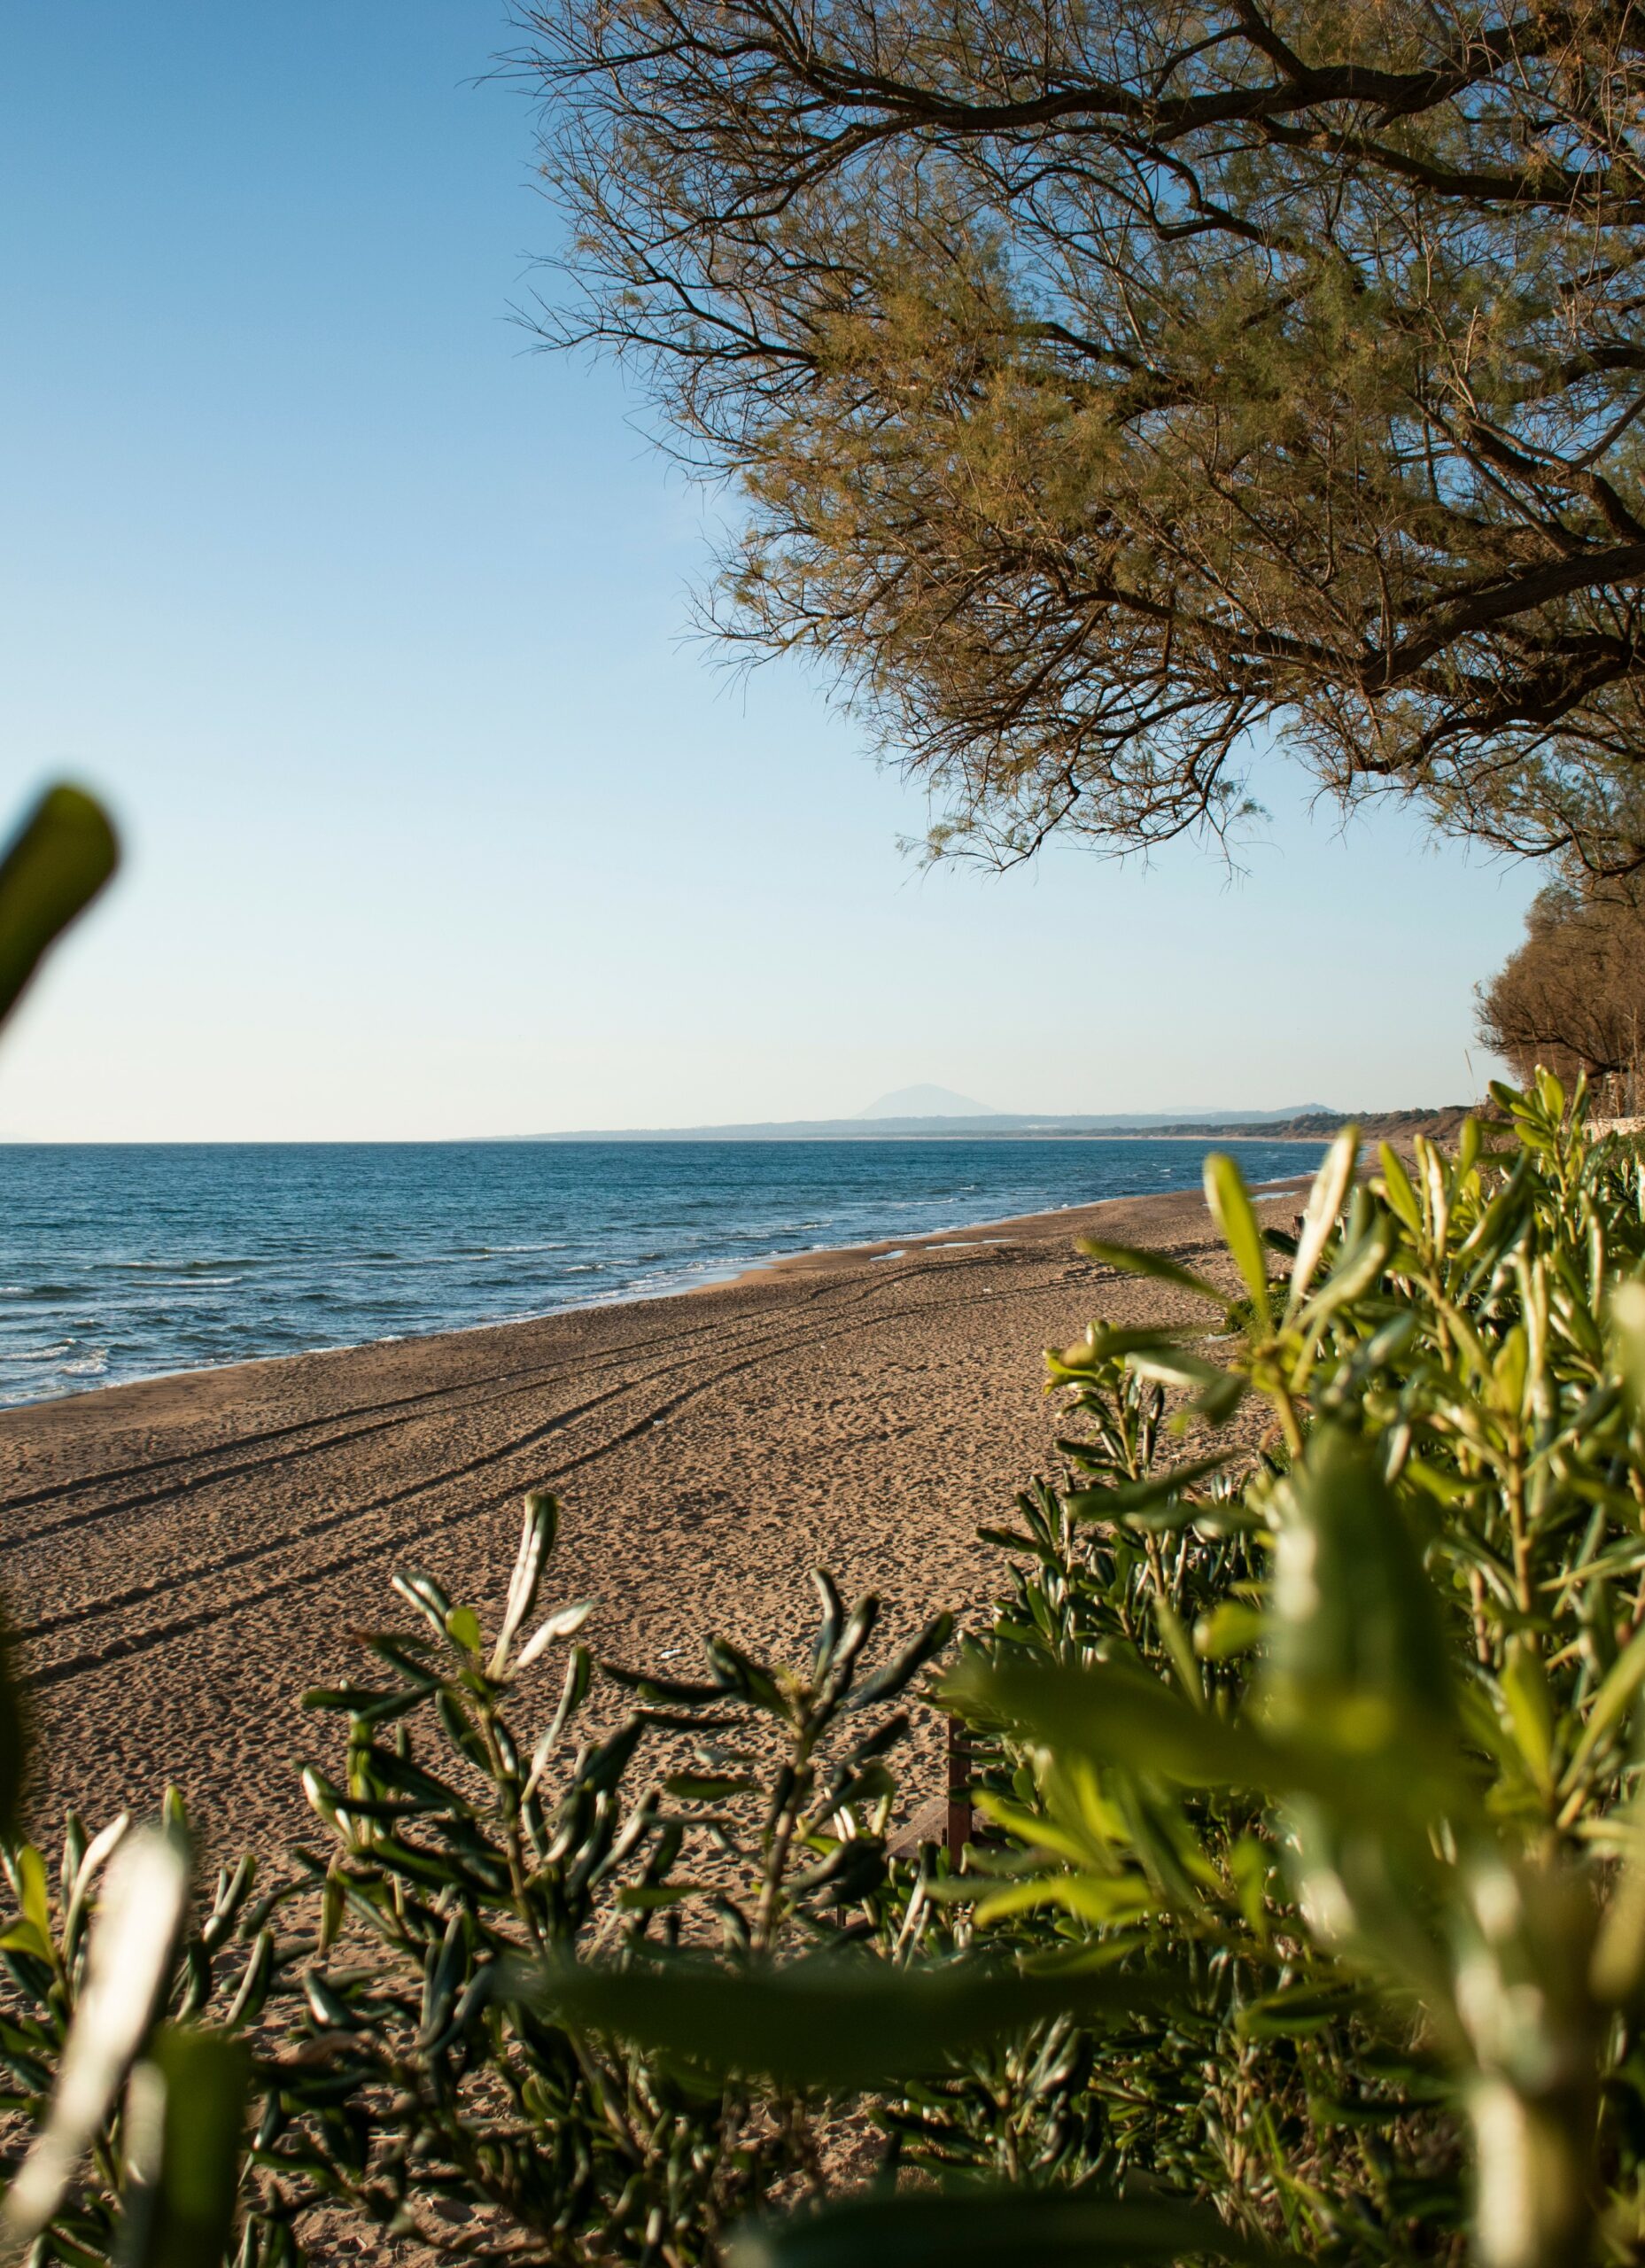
(1306, 1125)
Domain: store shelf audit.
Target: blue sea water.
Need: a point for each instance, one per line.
(122, 1262)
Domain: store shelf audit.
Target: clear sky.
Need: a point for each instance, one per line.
(368, 621)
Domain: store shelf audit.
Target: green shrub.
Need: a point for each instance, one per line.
(387, 1987)
(1336, 1757)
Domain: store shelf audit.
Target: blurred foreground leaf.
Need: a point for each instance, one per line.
(185, 2115)
(127, 1965)
(1047, 2228)
(1356, 1639)
(831, 2023)
(56, 864)
(1381, 1765)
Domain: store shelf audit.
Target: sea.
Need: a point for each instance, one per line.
(130, 1261)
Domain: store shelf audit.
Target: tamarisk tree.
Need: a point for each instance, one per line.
(1105, 381)
(1573, 995)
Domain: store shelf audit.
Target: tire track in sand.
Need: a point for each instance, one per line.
(127, 1643)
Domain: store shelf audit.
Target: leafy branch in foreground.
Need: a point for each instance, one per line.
(406, 2003)
(1389, 1795)
(767, 1829)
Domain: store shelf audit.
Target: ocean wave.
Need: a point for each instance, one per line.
(183, 1267)
(408, 1260)
(37, 1354)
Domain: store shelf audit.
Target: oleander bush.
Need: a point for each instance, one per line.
(1319, 1753)
(1305, 1919)
(386, 1998)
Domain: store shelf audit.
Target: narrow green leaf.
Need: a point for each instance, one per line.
(34, 1894)
(751, 1681)
(540, 1524)
(128, 1963)
(57, 863)
(889, 1679)
(1627, 1337)
(1331, 1187)
(1231, 1207)
(1611, 1704)
(565, 1622)
(832, 2022)
(707, 1787)
(1105, 1342)
(463, 1625)
(1105, 1900)
(1355, 1270)
(1133, 1497)
(1400, 1189)
(671, 1690)
(982, 2228)
(1175, 1366)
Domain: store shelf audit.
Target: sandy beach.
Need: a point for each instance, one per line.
(185, 1555)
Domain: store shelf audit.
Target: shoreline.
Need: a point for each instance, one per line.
(811, 1260)
(186, 1554)
(825, 1259)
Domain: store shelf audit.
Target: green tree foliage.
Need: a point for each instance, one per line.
(1573, 995)
(1098, 383)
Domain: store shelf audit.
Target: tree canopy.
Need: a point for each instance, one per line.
(1103, 380)
(1573, 996)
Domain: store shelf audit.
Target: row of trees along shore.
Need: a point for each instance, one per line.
(1092, 389)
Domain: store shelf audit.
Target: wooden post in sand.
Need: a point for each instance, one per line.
(959, 1827)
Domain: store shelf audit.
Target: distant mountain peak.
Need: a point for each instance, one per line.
(927, 1102)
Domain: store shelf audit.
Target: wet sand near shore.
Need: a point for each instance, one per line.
(184, 1556)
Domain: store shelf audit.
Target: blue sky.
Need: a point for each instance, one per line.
(368, 621)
